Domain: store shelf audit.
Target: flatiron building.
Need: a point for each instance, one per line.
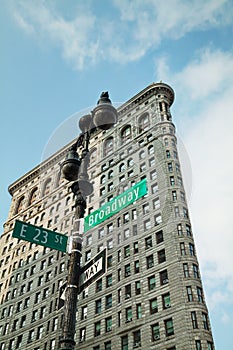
(151, 295)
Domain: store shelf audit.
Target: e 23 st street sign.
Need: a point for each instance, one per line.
(40, 235)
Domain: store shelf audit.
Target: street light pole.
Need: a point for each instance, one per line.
(104, 116)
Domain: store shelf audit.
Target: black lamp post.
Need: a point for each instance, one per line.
(74, 169)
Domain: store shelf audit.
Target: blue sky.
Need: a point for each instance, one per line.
(58, 56)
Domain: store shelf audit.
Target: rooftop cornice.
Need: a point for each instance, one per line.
(150, 90)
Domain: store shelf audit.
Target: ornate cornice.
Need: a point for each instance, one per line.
(153, 89)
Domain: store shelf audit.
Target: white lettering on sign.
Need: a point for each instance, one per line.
(93, 269)
(23, 230)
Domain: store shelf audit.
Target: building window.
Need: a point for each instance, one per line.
(155, 332)
(169, 167)
(136, 339)
(150, 261)
(159, 237)
(179, 230)
(128, 314)
(198, 345)
(205, 321)
(156, 203)
(99, 285)
(174, 196)
(161, 256)
(108, 146)
(158, 219)
(151, 162)
(189, 293)
(97, 330)
(147, 224)
(109, 281)
(200, 295)
(82, 334)
(182, 248)
(166, 300)
(138, 311)
(163, 277)
(188, 230)
(127, 270)
(143, 167)
(108, 301)
(145, 208)
(153, 306)
(148, 242)
(172, 180)
(210, 345)
(135, 247)
(137, 287)
(168, 154)
(195, 271)
(126, 233)
(126, 134)
(177, 212)
(185, 212)
(169, 329)
(142, 155)
(108, 324)
(194, 319)
(33, 196)
(122, 168)
(144, 122)
(154, 188)
(153, 175)
(186, 270)
(126, 217)
(151, 149)
(136, 266)
(124, 343)
(191, 249)
(84, 312)
(98, 306)
(151, 282)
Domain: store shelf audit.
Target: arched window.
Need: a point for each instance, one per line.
(20, 205)
(103, 179)
(126, 134)
(121, 168)
(130, 162)
(151, 149)
(110, 174)
(47, 186)
(108, 146)
(144, 122)
(33, 196)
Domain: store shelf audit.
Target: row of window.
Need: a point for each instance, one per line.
(153, 303)
(19, 323)
(106, 326)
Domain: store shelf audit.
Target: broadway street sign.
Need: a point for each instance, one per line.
(92, 270)
(115, 205)
(40, 235)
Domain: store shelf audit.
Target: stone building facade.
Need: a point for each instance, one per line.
(151, 296)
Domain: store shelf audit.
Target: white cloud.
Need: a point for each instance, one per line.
(128, 31)
(205, 118)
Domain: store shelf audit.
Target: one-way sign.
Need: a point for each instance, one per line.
(92, 270)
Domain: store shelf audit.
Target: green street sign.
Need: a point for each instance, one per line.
(115, 205)
(40, 235)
